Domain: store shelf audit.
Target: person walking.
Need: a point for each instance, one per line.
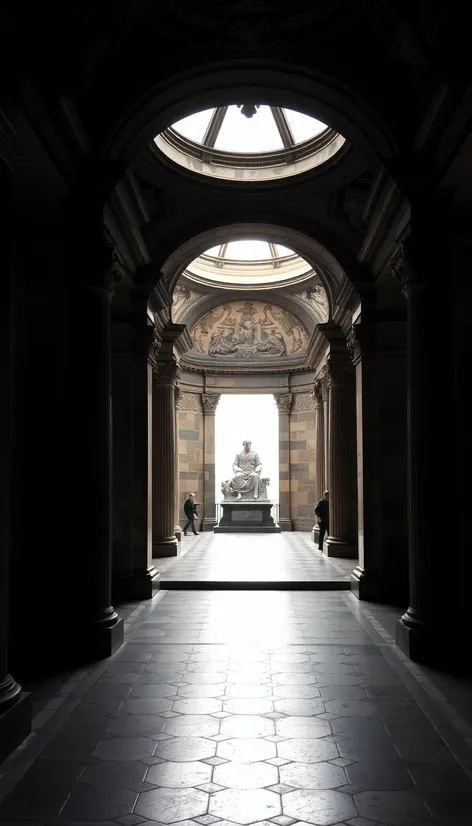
(190, 510)
(322, 517)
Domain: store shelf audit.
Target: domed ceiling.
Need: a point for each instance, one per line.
(249, 143)
(247, 264)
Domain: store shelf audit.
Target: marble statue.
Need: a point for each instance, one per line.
(246, 482)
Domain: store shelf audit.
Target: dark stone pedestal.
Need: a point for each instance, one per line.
(15, 725)
(135, 587)
(247, 516)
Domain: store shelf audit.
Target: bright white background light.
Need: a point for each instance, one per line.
(247, 417)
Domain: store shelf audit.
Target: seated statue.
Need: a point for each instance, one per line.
(246, 482)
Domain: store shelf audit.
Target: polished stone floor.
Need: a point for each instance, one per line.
(256, 559)
(246, 708)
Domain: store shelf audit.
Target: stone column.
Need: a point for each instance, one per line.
(325, 398)
(284, 405)
(379, 362)
(90, 457)
(15, 707)
(341, 541)
(209, 405)
(319, 480)
(166, 376)
(423, 632)
(145, 577)
(177, 526)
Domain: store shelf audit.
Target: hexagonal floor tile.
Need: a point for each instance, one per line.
(246, 775)
(312, 775)
(245, 806)
(197, 705)
(299, 707)
(192, 725)
(351, 708)
(302, 727)
(320, 808)
(244, 705)
(170, 805)
(94, 804)
(146, 705)
(391, 807)
(183, 749)
(247, 725)
(246, 750)
(179, 775)
(126, 748)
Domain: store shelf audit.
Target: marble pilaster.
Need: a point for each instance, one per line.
(284, 406)
(319, 480)
(209, 405)
(341, 541)
(164, 462)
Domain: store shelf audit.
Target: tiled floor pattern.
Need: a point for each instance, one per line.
(241, 708)
(265, 558)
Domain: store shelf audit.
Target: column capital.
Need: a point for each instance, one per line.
(210, 403)
(338, 372)
(318, 393)
(360, 342)
(166, 373)
(178, 398)
(283, 402)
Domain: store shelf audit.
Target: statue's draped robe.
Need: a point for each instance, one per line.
(247, 466)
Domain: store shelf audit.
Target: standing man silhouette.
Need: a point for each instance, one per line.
(322, 517)
(190, 510)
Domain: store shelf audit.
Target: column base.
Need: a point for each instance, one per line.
(365, 584)
(15, 725)
(339, 548)
(285, 524)
(102, 642)
(164, 547)
(315, 534)
(178, 533)
(137, 586)
(208, 524)
(438, 645)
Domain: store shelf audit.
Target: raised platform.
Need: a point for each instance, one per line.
(247, 516)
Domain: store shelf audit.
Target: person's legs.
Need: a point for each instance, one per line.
(187, 526)
(193, 526)
(323, 530)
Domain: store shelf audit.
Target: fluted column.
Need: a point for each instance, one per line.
(284, 405)
(341, 541)
(166, 375)
(145, 578)
(15, 711)
(177, 526)
(91, 450)
(422, 632)
(209, 405)
(325, 398)
(319, 480)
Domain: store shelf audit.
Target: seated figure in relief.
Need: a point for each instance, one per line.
(246, 482)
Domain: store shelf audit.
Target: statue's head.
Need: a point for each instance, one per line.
(247, 446)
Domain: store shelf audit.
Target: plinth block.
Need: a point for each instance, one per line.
(15, 725)
(338, 548)
(247, 516)
(165, 547)
(137, 586)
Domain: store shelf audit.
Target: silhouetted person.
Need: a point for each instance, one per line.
(190, 510)
(322, 517)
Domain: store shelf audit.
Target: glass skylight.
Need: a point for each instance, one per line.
(249, 143)
(249, 250)
(269, 129)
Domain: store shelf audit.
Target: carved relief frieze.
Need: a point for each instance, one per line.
(210, 403)
(283, 402)
(303, 402)
(247, 330)
(178, 398)
(316, 299)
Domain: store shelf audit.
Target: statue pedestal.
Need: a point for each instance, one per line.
(247, 516)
